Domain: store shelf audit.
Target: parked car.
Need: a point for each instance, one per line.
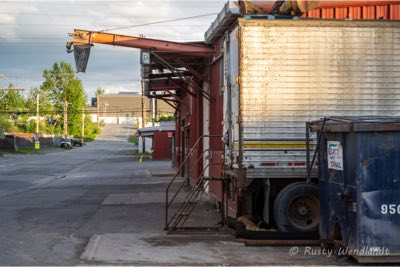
(76, 142)
(66, 143)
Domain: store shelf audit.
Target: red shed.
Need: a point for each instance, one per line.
(162, 139)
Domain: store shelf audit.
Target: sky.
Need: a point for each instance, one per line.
(33, 34)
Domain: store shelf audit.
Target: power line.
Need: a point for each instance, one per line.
(123, 3)
(103, 14)
(92, 25)
(159, 22)
(203, 3)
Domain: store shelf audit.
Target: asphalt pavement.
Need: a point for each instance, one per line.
(99, 205)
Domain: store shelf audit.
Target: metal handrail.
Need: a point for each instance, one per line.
(189, 197)
(186, 180)
(169, 203)
(198, 194)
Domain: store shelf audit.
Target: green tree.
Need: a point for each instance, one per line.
(12, 101)
(166, 118)
(99, 91)
(11, 104)
(91, 129)
(45, 104)
(61, 85)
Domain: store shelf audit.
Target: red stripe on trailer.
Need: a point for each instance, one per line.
(268, 164)
(297, 163)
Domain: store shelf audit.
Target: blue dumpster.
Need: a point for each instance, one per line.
(359, 170)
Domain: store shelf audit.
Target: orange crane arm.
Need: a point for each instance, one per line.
(84, 37)
(83, 40)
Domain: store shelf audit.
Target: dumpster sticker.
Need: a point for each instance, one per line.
(335, 155)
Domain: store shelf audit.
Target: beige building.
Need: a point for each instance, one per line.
(126, 108)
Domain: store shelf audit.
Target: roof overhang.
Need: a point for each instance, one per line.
(229, 13)
(167, 126)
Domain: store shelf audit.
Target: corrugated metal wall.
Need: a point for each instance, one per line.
(297, 71)
(386, 12)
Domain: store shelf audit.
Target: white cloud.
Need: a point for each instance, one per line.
(33, 35)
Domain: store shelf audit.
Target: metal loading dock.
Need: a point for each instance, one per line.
(238, 94)
(197, 116)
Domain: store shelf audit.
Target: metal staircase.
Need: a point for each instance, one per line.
(179, 205)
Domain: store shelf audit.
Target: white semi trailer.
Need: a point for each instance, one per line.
(280, 74)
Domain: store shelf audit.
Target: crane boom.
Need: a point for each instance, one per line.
(84, 39)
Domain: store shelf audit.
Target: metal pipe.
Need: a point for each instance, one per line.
(308, 178)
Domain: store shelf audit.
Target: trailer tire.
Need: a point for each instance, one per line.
(296, 208)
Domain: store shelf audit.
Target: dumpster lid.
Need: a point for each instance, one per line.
(357, 124)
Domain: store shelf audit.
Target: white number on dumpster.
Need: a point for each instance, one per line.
(390, 208)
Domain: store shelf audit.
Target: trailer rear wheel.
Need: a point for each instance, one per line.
(296, 208)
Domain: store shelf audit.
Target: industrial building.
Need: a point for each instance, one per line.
(126, 108)
(244, 94)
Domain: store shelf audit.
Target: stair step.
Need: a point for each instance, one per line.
(191, 202)
(197, 189)
(183, 214)
(212, 178)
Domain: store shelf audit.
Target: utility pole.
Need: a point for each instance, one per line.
(105, 111)
(142, 105)
(153, 104)
(37, 141)
(83, 126)
(98, 110)
(117, 115)
(143, 139)
(37, 114)
(65, 119)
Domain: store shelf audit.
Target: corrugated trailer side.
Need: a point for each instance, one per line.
(279, 154)
(293, 71)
